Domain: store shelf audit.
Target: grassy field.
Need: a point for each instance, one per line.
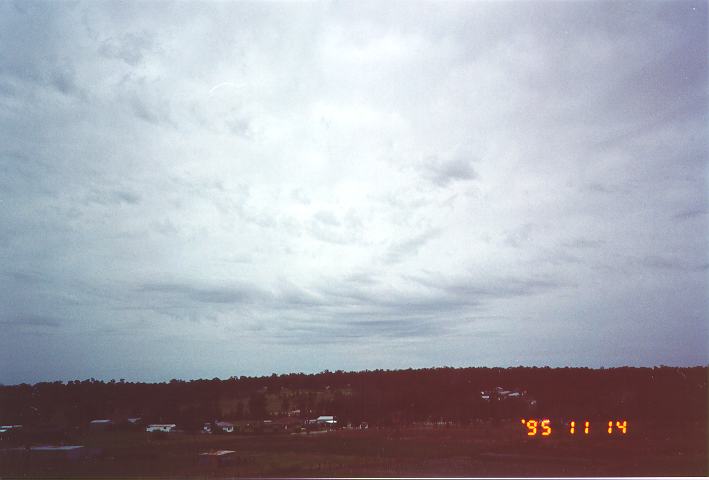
(483, 449)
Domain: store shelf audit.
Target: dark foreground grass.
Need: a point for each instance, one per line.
(483, 449)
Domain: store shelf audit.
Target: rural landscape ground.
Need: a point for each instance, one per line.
(399, 423)
(482, 449)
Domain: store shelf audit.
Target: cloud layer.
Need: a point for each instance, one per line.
(210, 189)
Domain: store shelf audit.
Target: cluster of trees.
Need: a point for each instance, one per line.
(379, 397)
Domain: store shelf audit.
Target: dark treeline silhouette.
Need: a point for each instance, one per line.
(379, 397)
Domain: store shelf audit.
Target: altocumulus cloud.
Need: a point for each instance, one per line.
(369, 185)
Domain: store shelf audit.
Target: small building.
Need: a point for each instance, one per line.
(217, 458)
(100, 425)
(161, 427)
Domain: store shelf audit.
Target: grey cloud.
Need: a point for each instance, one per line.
(300, 196)
(402, 249)
(114, 197)
(520, 236)
(484, 289)
(242, 294)
(294, 298)
(361, 278)
(690, 213)
(327, 218)
(327, 227)
(63, 79)
(130, 48)
(663, 262)
(155, 111)
(396, 328)
(31, 320)
(361, 300)
(583, 243)
(349, 331)
(443, 171)
(241, 126)
(675, 80)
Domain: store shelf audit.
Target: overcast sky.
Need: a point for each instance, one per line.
(212, 189)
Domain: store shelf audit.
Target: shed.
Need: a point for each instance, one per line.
(161, 427)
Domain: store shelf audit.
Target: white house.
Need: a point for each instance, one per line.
(326, 419)
(161, 427)
(7, 428)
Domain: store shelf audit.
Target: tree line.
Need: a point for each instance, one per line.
(378, 397)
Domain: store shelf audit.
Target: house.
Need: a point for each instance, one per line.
(322, 422)
(217, 458)
(500, 393)
(161, 427)
(326, 419)
(100, 425)
(10, 432)
(225, 427)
